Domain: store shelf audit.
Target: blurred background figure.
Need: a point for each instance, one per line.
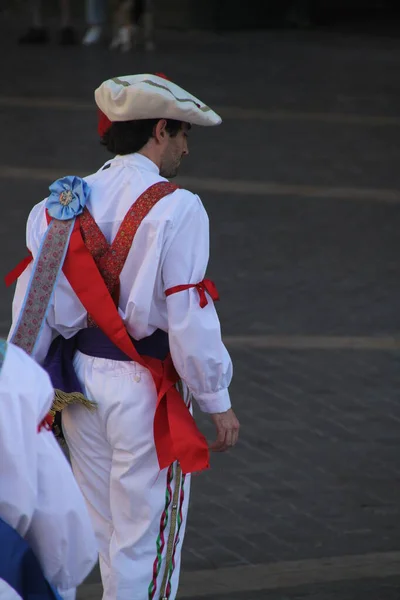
(96, 12)
(127, 17)
(122, 25)
(38, 34)
(131, 21)
(143, 11)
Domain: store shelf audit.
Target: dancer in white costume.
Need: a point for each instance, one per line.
(39, 497)
(150, 242)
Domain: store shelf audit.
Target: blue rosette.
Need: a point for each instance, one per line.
(68, 197)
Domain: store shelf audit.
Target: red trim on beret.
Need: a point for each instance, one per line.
(103, 124)
(162, 76)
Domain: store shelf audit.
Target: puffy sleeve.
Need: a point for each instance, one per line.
(199, 355)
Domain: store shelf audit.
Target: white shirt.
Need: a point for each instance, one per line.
(171, 247)
(39, 496)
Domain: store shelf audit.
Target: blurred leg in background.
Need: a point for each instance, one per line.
(96, 19)
(67, 33)
(147, 14)
(131, 18)
(123, 27)
(38, 34)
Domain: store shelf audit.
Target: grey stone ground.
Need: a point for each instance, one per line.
(317, 471)
(356, 590)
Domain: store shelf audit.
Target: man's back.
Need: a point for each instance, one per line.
(178, 220)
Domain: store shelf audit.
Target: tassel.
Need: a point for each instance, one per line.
(63, 399)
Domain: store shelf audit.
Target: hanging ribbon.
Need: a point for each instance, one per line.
(175, 432)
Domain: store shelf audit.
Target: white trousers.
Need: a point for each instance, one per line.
(138, 512)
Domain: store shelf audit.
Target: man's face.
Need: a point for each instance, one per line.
(175, 148)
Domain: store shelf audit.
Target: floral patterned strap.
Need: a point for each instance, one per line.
(94, 238)
(46, 269)
(110, 259)
(66, 201)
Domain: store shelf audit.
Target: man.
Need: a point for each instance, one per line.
(44, 524)
(132, 300)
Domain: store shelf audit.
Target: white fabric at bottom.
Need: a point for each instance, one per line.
(115, 463)
(7, 592)
(39, 497)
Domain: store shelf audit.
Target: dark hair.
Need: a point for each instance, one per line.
(126, 137)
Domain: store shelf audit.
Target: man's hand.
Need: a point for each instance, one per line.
(227, 427)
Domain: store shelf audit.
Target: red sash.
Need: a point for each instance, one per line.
(92, 267)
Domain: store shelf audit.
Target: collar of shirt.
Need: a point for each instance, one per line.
(136, 160)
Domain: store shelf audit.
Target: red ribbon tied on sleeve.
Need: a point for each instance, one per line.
(203, 287)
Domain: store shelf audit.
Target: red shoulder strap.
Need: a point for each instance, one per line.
(110, 259)
(175, 433)
(92, 235)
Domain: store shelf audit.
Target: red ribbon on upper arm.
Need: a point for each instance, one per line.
(175, 432)
(203, 287)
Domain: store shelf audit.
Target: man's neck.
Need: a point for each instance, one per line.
(151, 156)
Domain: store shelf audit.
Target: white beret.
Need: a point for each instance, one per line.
(134, 97)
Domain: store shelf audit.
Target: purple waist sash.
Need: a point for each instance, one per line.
(93, 342)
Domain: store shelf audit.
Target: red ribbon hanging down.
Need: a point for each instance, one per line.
(202, 287)
(175, 432)
(18, 270)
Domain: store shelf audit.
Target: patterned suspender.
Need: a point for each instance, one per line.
(110, 258)
(63, 248)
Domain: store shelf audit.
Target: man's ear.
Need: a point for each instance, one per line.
(160, 130)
